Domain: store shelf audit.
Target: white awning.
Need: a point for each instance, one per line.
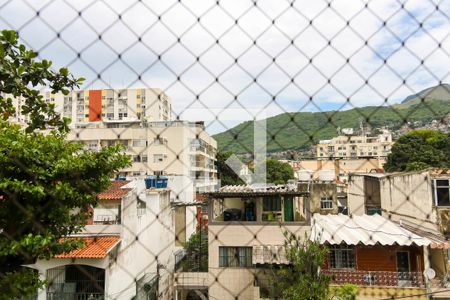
(269, 254)
(366, 230)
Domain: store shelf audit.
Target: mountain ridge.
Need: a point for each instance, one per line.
(300, 130)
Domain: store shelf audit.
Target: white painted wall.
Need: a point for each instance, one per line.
(147, 240)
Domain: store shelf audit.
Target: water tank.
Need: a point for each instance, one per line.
(150, 182)
(326, 175)
(305, 175)
(161, 182)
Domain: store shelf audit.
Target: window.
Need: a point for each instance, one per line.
(159, 173)
(235, 257)
(139, 143)
(141, 207)
(441, 192)
(159, 158)
(326, 202)
(159, 141)
(144, 158)
(272, 204)
(136, 158)
(342, 257)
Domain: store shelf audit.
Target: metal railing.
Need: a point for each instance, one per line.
(74, 296)
(377, 278)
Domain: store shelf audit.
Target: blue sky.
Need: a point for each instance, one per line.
(163, 52)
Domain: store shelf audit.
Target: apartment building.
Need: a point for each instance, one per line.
(129, 247)
(418, 200)
(157, 148)
(350, 146)
(246, 241)
(83, 106)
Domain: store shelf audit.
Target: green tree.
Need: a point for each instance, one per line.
(344, 292)
(302, 278)
(277, 172)
(226, 174)
(20, 76)
(418, 150)
(46, 183)
(196, 259)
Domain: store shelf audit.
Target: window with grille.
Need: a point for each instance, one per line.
(326, 202)
(272, 204)
(342, 258)
(235, 257)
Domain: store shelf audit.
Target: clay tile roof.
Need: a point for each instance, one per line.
(115, 191)
(94, 247)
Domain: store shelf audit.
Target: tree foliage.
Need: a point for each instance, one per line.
(21, 76)
(302, 278)
(277, 172)
(46, 183)
(196, 258)
(419, 150)
(226, 174)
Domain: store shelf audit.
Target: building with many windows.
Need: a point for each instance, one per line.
(352, 146)
(85, 106)
(140, 120)
(129, 246)
(157, 148)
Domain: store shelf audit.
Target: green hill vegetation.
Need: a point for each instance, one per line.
(439, 92)
(298, 131)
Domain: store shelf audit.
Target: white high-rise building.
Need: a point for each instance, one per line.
(100, 105)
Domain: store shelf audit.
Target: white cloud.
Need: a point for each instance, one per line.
(273, 23)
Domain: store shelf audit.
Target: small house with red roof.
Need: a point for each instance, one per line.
(128, 247)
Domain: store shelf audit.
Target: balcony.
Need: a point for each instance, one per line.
(377, 278)
(76, 282)
(257, 209)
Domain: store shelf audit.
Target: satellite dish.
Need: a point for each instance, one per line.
(429, 273)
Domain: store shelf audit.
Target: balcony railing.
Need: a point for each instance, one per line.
(77, 296)
(377, 278)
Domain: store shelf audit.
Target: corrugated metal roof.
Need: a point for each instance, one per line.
(366, 230)
(258, 188)
(438, 241)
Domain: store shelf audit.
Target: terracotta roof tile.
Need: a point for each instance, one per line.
(115, 191)
(94, 247)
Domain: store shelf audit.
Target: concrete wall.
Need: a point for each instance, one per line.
(409, 197)
(229, 283)
(404, 196)
(341, 167)
(323, 189)
(370, 293)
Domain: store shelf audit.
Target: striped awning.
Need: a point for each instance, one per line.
(437, 239)
(364, 229)
(269, 254)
